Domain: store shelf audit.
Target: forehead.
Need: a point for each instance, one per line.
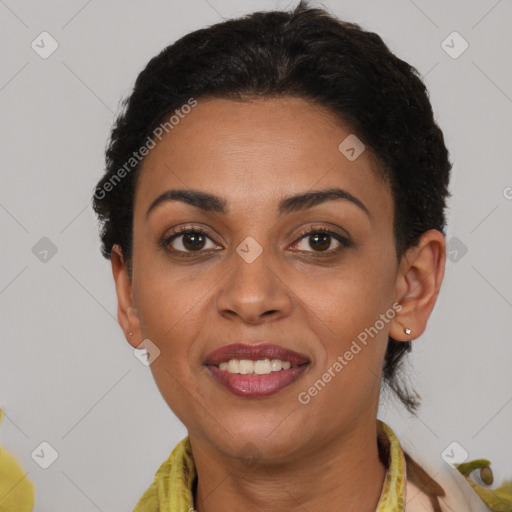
(258, 151)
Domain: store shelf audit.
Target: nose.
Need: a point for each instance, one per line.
(254, 293)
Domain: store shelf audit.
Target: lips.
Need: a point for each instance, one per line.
(254, 353)
(256, 386)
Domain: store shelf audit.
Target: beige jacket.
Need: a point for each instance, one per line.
(459, 495)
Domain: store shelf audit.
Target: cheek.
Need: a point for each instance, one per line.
(171, 317)
(350, 299)
(169, 307)
(346, 308)
(354, 344)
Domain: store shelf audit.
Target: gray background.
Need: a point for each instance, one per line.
(68, 377)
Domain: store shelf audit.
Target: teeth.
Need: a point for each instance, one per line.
(275, 365)
(260, 367)
(246, 366)
(233, 366)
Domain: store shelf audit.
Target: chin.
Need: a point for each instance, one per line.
(272, 441)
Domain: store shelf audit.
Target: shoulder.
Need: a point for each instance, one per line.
(458, 494)
(454, 494)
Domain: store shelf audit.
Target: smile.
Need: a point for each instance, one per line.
(259, 367)
(253, 385)
(255, 371)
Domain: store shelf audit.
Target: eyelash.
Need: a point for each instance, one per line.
(345, 243)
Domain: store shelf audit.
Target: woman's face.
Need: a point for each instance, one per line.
(254, 276)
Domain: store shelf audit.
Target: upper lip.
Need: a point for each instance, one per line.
(254, 353)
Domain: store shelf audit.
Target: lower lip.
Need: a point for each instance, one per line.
(255, 386)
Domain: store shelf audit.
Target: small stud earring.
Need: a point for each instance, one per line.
(407, 330)
(131, 334)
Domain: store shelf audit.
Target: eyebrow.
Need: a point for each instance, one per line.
(212, 203)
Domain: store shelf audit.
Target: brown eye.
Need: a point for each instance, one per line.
(321, 241)
(193, 241)
(190, 240)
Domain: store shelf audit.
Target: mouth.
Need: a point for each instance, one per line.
(255, 371)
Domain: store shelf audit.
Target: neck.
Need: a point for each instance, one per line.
(344, 473)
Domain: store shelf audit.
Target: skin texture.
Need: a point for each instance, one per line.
(318, 456)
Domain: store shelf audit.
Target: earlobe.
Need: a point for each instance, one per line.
(134, 333)
(418, 283)
(127, 314)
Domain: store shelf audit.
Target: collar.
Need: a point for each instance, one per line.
(172, 489)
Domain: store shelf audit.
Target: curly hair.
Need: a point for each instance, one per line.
(304, 53)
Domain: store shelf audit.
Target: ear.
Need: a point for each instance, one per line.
(126, 311)
(418, 283)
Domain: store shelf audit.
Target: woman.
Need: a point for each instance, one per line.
(273, 208)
